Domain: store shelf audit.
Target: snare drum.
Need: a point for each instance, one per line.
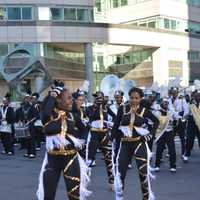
(22, 131)
(5, 127)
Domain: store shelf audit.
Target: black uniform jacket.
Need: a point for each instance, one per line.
(10, 115)
(52, 123)
(141, 117)
(93, 112)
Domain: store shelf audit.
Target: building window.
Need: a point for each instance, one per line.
(173, 25)
(144, 24)
(133, 57)
(166, 23)
(118, 3)
(127, 59)
(152, 24)
(98, 5)
(14, 13)
(194, 56)
(57, 13)
(194, 27)
(2, 13)
(82, 15)
(191, 2)
(3, 49)
(100, 60)
(124, 2)
(70, 14)
(26, 13)
(115, 3)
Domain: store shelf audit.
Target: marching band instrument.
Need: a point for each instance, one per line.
(5, 127)
(196, 114)
(112, 83)
(21, 131)
(109, 85)
(163, 125)
(125, 86)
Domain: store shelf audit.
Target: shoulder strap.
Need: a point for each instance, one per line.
(142, 113)
(4, 113)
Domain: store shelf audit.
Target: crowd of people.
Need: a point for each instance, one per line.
(21, 125)
(122, 130)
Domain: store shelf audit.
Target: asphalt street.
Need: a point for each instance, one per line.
(19, 179)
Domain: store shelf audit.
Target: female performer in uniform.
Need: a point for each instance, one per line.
(62, 131)
(131, 119)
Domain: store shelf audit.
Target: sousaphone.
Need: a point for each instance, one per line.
(196, 114)
(109, 85)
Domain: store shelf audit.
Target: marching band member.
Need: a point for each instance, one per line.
(79, 110)
(99, 137)
(37, 123)
(6, 125)
(21, 116)
(181, 108)
(192, 129)
(114, 107)
(32, 117)
(166, 137)
(118, 101)
(27, 114)
(154, 107)
(62, 131)
(130, 120)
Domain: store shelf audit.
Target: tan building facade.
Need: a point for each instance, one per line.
(145, 41)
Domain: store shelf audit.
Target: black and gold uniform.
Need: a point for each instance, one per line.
(134, 138)
(81, 114)
(99, 136)
(62, 132)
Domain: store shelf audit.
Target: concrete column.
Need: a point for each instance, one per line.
(89, 68)
(40, 49)
(39, 81)
(186, 70)
(161, 66)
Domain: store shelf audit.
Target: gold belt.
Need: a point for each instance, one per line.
(136, 139)
(62, 152)
(99, 130)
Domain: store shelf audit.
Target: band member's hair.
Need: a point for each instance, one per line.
(58, 97)
(7, 96)
(78, 94)
(137, 90)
